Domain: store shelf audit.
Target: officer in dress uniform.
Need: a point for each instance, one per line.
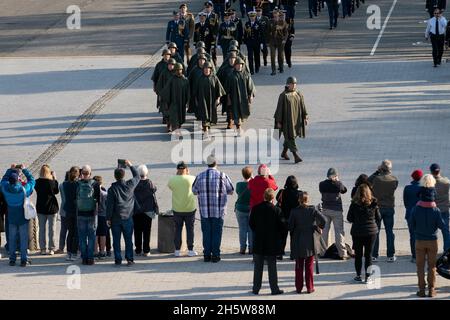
(177, 32)
(288, 44)
(190, 22)
(227, 32)
(239, 26)
(212, 19)
(264, 5)
(278, 37)
(252, 39)
(204, 32)
(264, 25)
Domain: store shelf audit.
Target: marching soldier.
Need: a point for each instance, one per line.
(291, 118)
(278, 36)
(240, 92)
(200, 51)
(289, 6)
(288, 44)
(190, 22)
(177, 32)
(173, 48)
(159, 69)
(194, 75)
(204, 33)
(333, 12)
(264, 23)
(212, 19)
(176, 95)
(163, 80)
(224, 71)
(239, 54)
(239, 26)
(227, 32)
(252, 38)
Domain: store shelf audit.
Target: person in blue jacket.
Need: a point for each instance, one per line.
(410, 199)
(13, 192)
(177, 32)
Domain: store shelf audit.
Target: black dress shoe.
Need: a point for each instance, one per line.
(279, 257)
(331, 28)
(207, 258)
(255, 292)
(242, 251)
(215, 259)
(273, 73)
(277, 292)
(12, 263)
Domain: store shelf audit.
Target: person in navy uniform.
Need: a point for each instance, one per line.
(288, 44)
(227, 32)
(239, 25)
(177, 32)
(190, 22)
(333, 12)
(430, 5)
(264, 25)
(219, 7)
(252, 39)
(289, 6)
(212, 19)
(312, 8)
(203, 32)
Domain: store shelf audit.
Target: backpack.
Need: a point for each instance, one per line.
(443, 265)
(85, 196)
(332, 252)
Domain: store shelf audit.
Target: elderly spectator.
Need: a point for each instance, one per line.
(442, 200)
(212, 188)
(47, 207)
(410, 199)
(287, 199)
(267, 226)
(184, 207)
(331, 190)
(69, 190)
(242, 209)
(87, 201)
(384, 185)
(425, 219)
(147, 210)
(119, 212)
(14, 194)
(364, 215)
(259, 184)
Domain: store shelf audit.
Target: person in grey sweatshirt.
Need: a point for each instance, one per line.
(119, 212)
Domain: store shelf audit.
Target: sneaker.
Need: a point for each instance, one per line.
(357, 279)
(146, 254)
(130, 263)
(392, 259)
(51, 253)
(192, 253)
(374, 259)
(59, 251)
(12, 263)
(177, 253)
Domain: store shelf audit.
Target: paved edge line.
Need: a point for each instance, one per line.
(95, 108)
(375, 46)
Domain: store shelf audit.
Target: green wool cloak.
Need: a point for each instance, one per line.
(291, 113)
(195, 74)
(176, 95)
(239, 87)
(206, 92)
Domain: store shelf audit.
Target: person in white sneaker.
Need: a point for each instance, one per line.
(184, 207)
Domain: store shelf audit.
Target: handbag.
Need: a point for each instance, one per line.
(29, 209)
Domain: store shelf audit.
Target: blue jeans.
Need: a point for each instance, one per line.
(86, 235)
(125, 227)
(6, 232)
(387, 216)
(20, 231)
(446, 234)
(412, 239)
(244, 230)
(212, 236)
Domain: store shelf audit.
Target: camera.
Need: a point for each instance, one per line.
(121, 163)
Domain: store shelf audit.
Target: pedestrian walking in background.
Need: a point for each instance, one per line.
(47, 208)
(15, 194)
(212, 188)
(410, 199)
(384, 185)
(146, 209)
(333, 12)
(331, 190)
(287, 199)
(425, 219)
(305, 225)
(364, 215)
(268, 227)
(242, 209)
(183, 207)
(442, 200)
(435, 31)
(119, 212)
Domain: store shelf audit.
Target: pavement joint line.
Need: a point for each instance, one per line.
(95, 108)
(375, 46)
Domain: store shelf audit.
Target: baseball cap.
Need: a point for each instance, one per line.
(181, 165)
(435, 167)
(417, 174)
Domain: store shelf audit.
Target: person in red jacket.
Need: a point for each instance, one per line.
(259, 184)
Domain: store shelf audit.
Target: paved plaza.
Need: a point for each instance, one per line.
(362, 109)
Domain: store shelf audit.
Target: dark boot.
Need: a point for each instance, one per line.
(297, 158)
(284, 154)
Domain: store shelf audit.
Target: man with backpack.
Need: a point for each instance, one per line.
(119, 212)
(88, 197)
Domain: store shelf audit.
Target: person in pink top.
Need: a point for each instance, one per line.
(259, 184)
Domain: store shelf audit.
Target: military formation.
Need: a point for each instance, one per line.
(187, 82)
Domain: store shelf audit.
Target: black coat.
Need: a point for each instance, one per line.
(46, 202)
(287, 200)
(145, 200)
(303, 223)
(267, 226)
(364, 219)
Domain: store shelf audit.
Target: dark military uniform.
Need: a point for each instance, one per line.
(204, 32)
(178, 32)
(190, 22)
(264, 23)
(227, 32)
(240, 30)
(213, 21)
(288, 44)
(252, 38)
